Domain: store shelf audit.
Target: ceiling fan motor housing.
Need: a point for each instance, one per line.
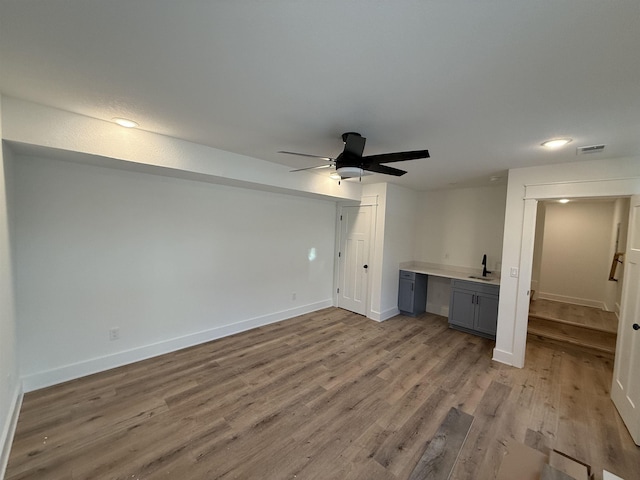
(351, 156)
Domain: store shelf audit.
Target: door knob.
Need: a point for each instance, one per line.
(365, 266)
(636, 326)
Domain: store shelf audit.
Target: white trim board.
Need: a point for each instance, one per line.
(382, 316)
(511, 338)
(10, 429)
(585, 302)
(614, 187)
(502, 356)
(69, 372)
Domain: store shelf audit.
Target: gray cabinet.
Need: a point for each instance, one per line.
(473, 307)
(412, 293)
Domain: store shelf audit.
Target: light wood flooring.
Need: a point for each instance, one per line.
(575, 326)
(328, 395)
(592, 317)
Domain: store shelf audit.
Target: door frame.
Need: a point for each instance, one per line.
(629, 412)
(532, 194)
(373, 271)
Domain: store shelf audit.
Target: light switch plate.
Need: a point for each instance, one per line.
(514, 272)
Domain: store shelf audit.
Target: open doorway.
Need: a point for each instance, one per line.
(576, 282)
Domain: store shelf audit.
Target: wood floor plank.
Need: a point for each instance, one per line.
(536, 440)
(405, 371)
(331, 440)
(578, 314)
(484, 447)
(442, 450)
(545, 409)
(328, 395)
(401, 450)
(550, 473)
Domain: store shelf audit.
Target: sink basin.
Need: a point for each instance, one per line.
(486, 279)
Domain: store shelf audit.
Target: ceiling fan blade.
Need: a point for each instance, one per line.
(377, 168)
(311, 168)
(396, 157)
(328, 159)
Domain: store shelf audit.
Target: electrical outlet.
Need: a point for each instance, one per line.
(294, 296)
(114, 333)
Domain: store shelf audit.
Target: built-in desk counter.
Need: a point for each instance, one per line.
(453, 274)
(473, 303)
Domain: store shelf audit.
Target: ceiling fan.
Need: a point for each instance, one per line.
(350, 163)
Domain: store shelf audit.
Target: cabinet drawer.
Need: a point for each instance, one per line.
(408, 275)
(476, 286)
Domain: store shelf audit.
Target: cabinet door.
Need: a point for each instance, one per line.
(405, 295)
(462, 309)
(486, 313)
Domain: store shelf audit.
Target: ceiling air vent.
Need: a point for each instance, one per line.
(589, 149)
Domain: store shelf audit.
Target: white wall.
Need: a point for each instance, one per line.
(10, 389)
(393, 244)
(576, 253)
(399, 241)
(171, 262)
(612, 177)
(456, 228)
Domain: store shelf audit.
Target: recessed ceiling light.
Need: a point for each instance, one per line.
(124, 122)
(556, 142)
(564, 200)
(495, 178)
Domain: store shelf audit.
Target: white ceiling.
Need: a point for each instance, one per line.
(479, 83)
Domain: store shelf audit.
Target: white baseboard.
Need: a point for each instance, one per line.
(10, 428)
(503, 357)
(382, 316)
(585, 302)
(65, 373)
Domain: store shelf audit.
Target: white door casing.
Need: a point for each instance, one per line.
(511, 338)
(355, 236)
(625, 389)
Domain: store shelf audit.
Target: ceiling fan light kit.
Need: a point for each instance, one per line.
(351, 164)
(350, 172)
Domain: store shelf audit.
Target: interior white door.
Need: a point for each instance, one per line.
(355, 234)
(625, 390)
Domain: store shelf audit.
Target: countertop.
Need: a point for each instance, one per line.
(438, 271)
